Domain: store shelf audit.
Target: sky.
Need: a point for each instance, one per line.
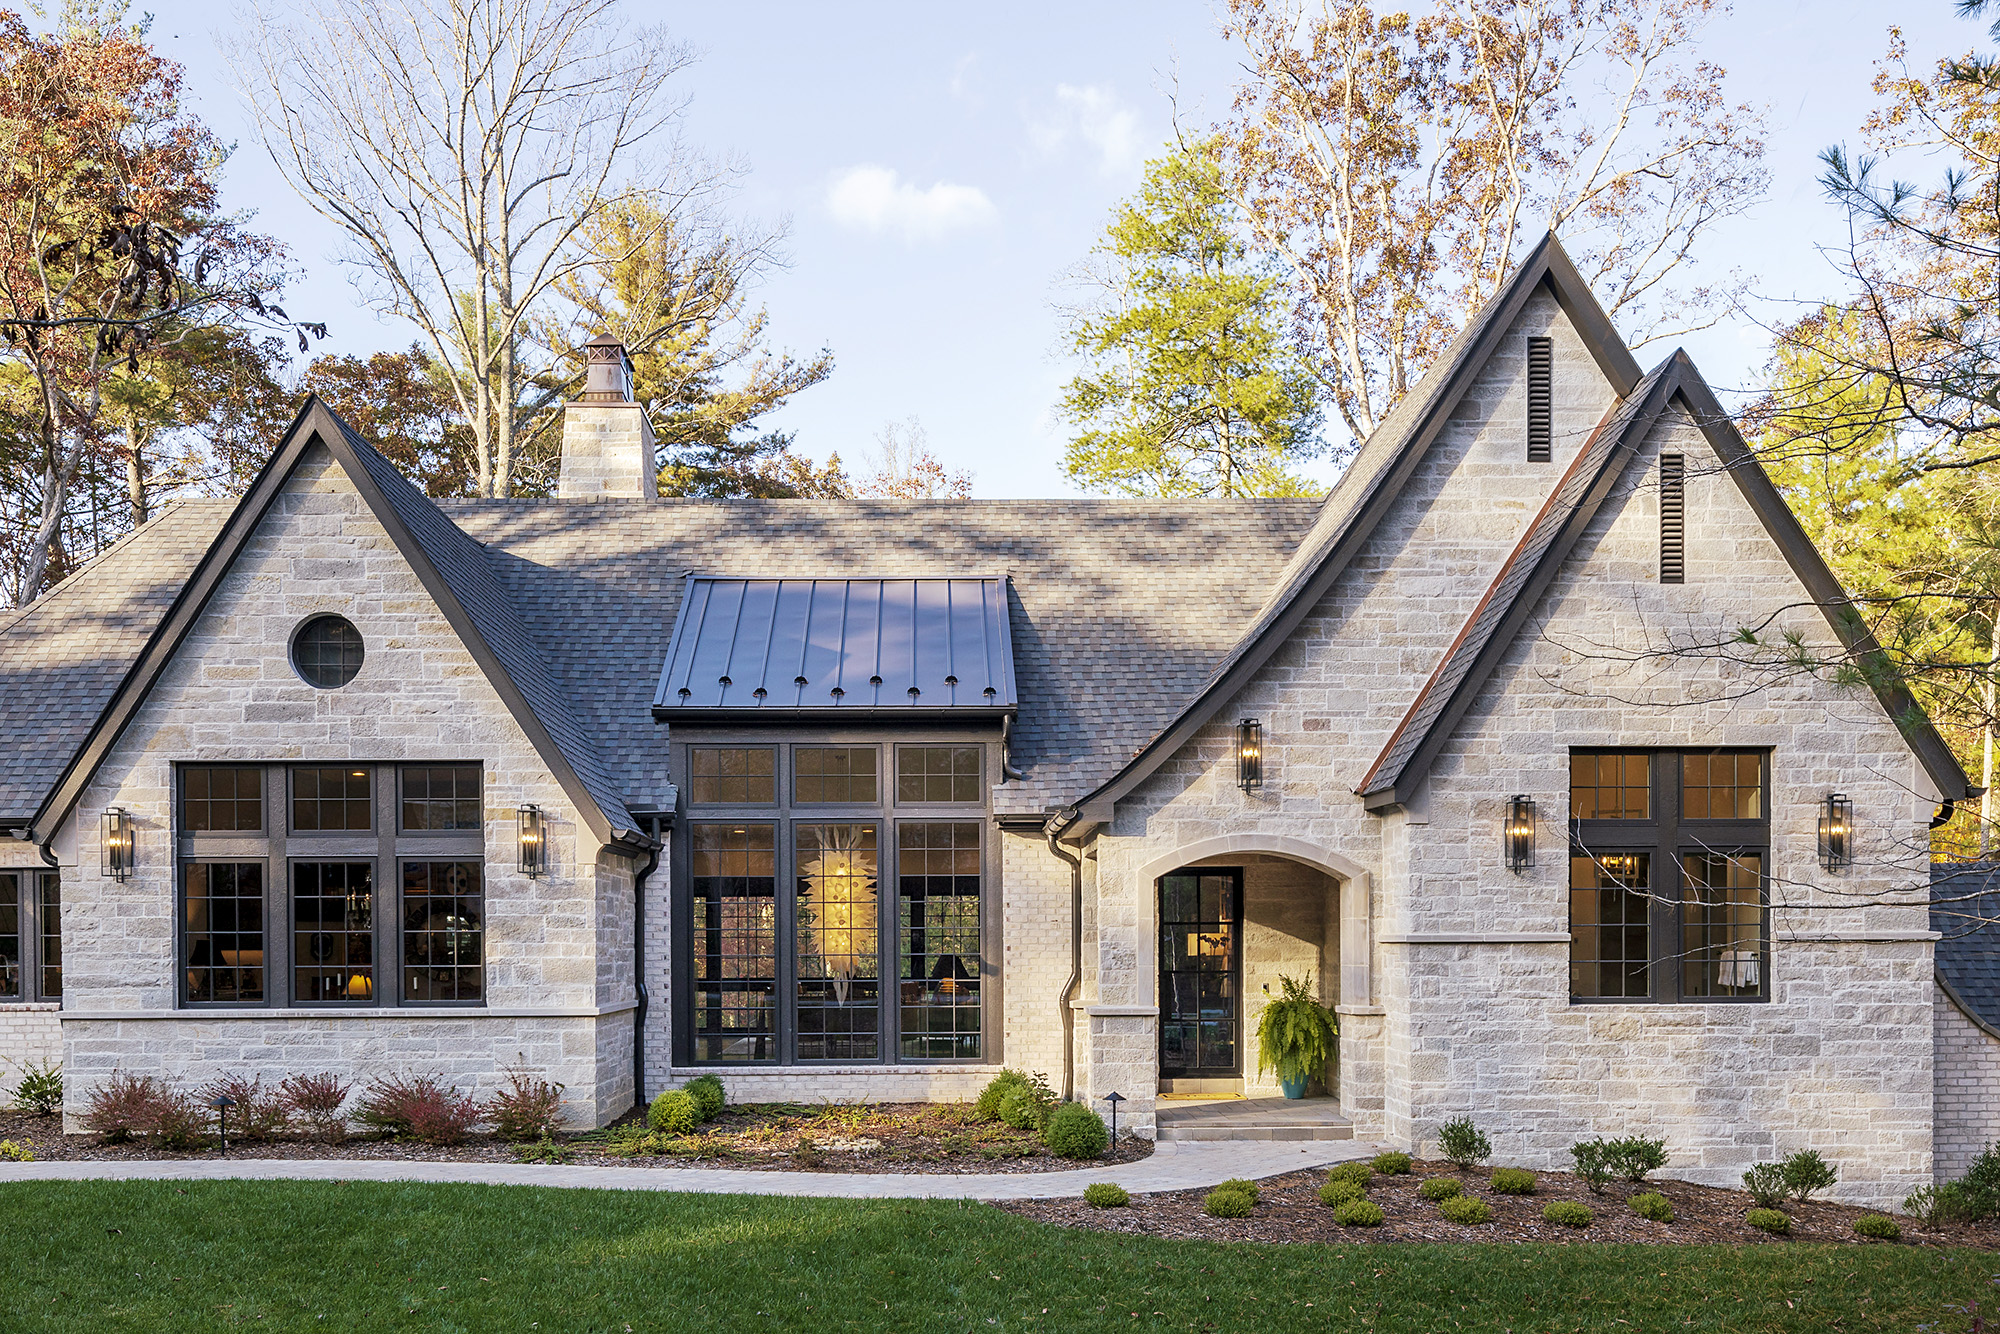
(941, 167)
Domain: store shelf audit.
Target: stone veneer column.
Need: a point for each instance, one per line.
(607, 441)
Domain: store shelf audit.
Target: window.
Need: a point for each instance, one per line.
(938, 774)
(874, 950)
(745, 777)
(327, 652)
(1541, 399)
(328, 800)
(217, 799)
(30, 936)
(50, 915)
(824, 775)
(1673, 519)
(1667, 883)
(333, 931)
(443, 931)
(10, 935)
(222, 937)
(440, 797)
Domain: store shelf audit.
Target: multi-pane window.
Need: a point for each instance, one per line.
(733, 776)
(326, 800)
(49, 923)
(333, 931)
(222, 933)
(440, 797)
(444, 918)
(216, 799)
(1667, 875)
(937, 774)
(875, 950)
(823, 775)
(937, 945)
(10, 935)
(30, 936)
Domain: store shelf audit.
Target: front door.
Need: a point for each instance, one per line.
(1201, 972)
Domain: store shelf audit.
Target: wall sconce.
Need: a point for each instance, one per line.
(534, 842)
(1836, 832)
(1518, 835)
(1249, 754)
(116, 841)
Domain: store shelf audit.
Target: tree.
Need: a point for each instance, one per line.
(1398, 166)
(464, 147)
(113, 253)
(675, 289)
(1191, 387)
(403, 404)
(906, 469)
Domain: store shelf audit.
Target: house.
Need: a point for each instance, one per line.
(336, 777)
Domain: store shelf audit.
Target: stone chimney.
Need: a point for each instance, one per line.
(607, 443)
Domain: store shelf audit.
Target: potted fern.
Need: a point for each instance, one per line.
(1295, 1036)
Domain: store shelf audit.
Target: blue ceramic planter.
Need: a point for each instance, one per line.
(1293, 1088)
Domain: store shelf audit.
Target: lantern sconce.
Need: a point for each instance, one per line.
(1249, 754)
(1836, 832)
(1518, 834)
(534, 842)
(117, 843)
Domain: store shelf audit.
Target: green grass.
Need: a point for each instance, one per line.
(166, 1256)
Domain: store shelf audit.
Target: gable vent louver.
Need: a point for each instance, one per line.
(1541, 396)
(1673, 519)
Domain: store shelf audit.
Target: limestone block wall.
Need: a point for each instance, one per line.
(552, 998)
(1966, 1084)
(607, 452)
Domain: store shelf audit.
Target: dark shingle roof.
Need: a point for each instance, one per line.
(62, 656)
(1965, 911)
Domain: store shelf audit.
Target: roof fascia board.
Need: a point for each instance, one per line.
(751, 715)
(1616, 460)
(1811, 569)
(1545, 264)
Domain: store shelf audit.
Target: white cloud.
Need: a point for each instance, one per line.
(875, 199)
(1096, 118)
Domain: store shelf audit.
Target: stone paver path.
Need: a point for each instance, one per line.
(1173, 1166)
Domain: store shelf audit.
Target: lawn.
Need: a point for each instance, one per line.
(167, 1256)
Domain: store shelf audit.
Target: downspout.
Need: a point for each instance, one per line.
(1007, 769)
(1075, 957)
(639, 966)
(1944, 813)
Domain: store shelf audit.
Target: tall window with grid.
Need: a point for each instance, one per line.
(735, 884)
(444, 932)
(937, 921)
(222, 931)
(333, 932)
(837, 921)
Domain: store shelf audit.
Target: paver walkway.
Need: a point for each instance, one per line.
(1173, 1166)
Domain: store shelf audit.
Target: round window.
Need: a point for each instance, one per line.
(327, 652)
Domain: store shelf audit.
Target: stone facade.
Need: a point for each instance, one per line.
(607, 453)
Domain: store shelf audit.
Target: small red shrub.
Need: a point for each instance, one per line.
(124, 1106)
(420, 1106)
(259, 1113)
(527, 1109)
(317, 1100)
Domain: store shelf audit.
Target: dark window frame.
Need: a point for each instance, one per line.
(30, 886)
(1667, 837)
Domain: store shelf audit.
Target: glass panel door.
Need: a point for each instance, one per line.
(1201, 972)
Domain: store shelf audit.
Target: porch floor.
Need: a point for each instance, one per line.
(1253, 1119)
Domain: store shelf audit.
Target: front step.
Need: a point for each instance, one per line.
(1253, 1119)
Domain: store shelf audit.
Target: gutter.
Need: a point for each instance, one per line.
(1054, 833)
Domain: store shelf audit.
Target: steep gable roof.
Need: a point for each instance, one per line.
(1406, 758)
(1370, 487)
(452, 567)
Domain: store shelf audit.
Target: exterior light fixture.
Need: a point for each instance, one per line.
(116, 841)
(534, 842)
(222, 1104)
(1518, 835)
(1249, 754)
(1114, 1098)
(1836, 832)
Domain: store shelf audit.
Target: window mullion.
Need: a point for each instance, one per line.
(1667, 888)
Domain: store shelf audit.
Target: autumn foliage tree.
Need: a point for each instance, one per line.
(401, 403)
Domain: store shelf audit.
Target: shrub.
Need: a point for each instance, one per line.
(1982, 1182)
(1806, 1172)
(420, 1106)
(1593, 1163)
(706, 1090)
(317, 1099)
(1335, 1193)
(1567, 1213)
(677, 1113)
(1513, 1181)
(11, 1152)
(1104, 1195)
(1633, 1159)
(257, 1112)
(40, 1092)
(1769, 1220)
(1242, 1187)
(1074, 1131)
(1766, 1184)
(124, 1106)
(1023, 1108)
(1651, 1204)
(1359, 1213)
(1392, 1164)
(181, 1120)
(1463, 1144)
(1466, 1210)
(987, 1108)
(1878, 1227)
(1440, 1188)
(543, 1150)
(1361, 1174)
(1222, 1203)
(1937, 1205)
(527, 1109)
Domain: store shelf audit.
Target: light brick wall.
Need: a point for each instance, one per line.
(231, 694)
(1966, 1094)
(30, 1034)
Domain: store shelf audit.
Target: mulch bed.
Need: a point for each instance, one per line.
(1289, 1210)
(773, 1137)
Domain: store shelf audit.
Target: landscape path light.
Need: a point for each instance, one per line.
(222, 1104)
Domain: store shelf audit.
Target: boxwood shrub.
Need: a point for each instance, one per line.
(1242, 1187)
(1105, 1195)
(1440, 1188)
(675, 1112)
(1568, 1213)
(1651, 1204)
(1769, 1220)
(1513, 1181)
(1336, 1193)
(1074, 1131)
(1392, 1164)
(1359, 1213)
(1224, 1203)
(1361, 1174)
(709, 1099)
(1878, 1227)
(1466, 1210)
